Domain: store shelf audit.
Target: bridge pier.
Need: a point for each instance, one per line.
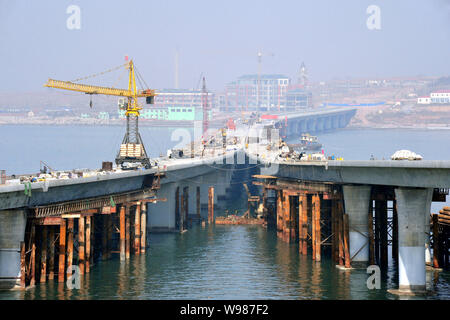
(303, 223)
(211, 219)
(356, 199)
(429, 199)
(143, 227)
(320, 124)
(328, 124)
(12, 233)
(62, 251)
(122, 232)
(412, 206)
(137, 229)
(162, 217)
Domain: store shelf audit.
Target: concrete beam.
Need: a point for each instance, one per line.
(420, 174)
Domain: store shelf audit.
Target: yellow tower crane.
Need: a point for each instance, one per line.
(132, 150)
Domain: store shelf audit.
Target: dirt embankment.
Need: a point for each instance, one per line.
(407, 116)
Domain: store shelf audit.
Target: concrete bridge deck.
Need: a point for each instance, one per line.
(401, 173)
(315, 121)
(105, 183)
(410, 184)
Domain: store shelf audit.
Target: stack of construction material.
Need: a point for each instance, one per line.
(131, 150)
(444, 216)
(2, 176)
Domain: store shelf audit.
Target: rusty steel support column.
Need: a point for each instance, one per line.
(143, 227)
(88, 244)
(70, 227)
(395, 231)
(436, 242)
(280, 214)
(122, 232)
(303, 223)
(137, 229)
(51, 258)
(293, 221)
(22, 265)
(300, 222)
(286, 217)
(33, 254)
(127, 232)
(333, 231)
(109, 223)
(104, 236)
(346, 242)
(340, 226)
(92, 242)
(198, 203)
(317, 228)
(264, 205)
(211, 219)
(62, 250)
(44, 255)
(81, 244)
(313, 227)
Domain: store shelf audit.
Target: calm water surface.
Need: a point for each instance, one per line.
(221, 262)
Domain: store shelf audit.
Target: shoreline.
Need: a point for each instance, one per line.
(171, 124)
(185, 125)
(397, 128)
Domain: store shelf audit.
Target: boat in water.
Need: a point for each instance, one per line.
(309, 142)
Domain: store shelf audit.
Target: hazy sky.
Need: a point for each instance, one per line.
(221, 39)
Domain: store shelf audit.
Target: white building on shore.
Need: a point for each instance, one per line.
(440, 96)
(424, 100)
(436, 97)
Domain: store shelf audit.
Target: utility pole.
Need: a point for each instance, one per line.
(258, 82)
(176, 69)
(205, 108)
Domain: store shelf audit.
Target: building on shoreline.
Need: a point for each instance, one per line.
(176, 105)
(267, 92)
(436, 97)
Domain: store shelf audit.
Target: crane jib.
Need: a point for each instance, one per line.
(132, 149)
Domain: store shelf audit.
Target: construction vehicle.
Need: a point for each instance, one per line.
(132, 153)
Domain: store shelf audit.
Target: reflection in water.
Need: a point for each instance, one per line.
(316, 280)
(121, 289)
(223, 262)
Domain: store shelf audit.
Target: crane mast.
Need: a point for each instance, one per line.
(132, 151)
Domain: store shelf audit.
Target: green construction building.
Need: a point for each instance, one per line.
(176, 105)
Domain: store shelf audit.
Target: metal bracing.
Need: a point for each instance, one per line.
(91, 203)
